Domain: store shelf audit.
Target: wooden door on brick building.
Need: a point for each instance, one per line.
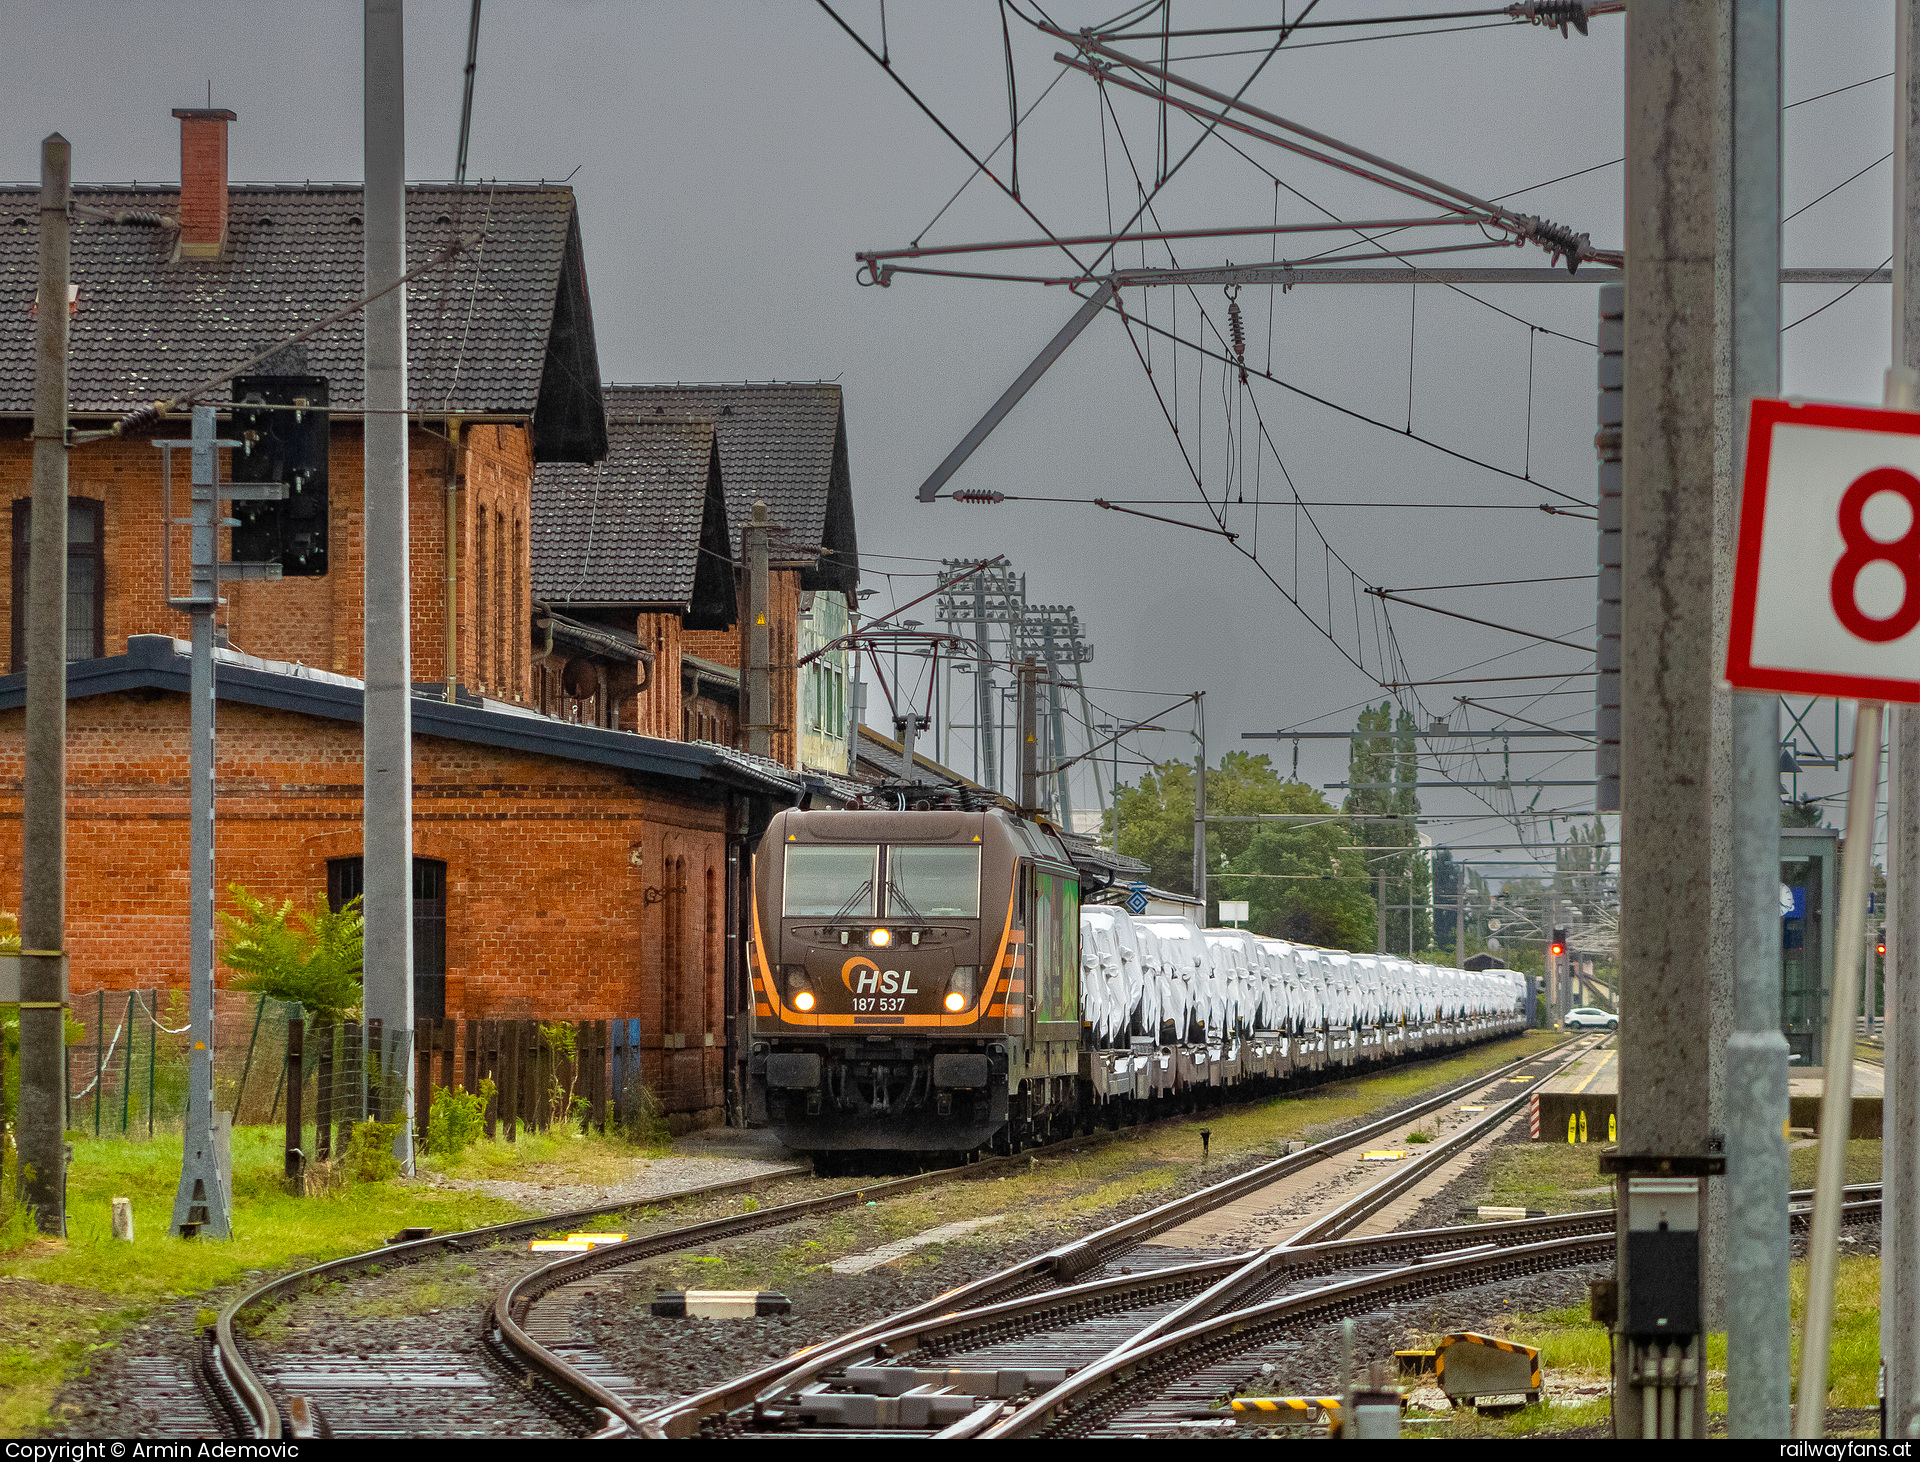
(691, 911)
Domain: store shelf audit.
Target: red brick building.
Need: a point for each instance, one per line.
(574, 868)
(646, 544)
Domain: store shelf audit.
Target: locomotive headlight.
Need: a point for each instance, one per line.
(880, 938)
(956, 1001)
(799, 989)
(959, 988)
(803, 1000)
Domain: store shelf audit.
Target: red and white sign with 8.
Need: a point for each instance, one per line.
(1826, 591)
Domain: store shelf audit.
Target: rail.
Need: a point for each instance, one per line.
(251, 1407)
(242, 1393)
(1126, 1369)
(1058, 1266)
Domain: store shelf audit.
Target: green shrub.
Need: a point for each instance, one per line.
(317, 964)
(643, 1120)
(458, 1119)
(562, 1105)
(369, 1157)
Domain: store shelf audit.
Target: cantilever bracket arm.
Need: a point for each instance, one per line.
(1095, 303)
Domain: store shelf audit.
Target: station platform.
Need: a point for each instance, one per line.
(1590, 1089)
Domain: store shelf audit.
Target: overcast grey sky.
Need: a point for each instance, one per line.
(730, 157)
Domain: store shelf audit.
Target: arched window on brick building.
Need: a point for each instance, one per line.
(483, 565)
(516, 627)
(710, 953)
(498, 608)
(346, 880)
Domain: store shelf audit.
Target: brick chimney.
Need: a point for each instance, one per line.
(203, 180)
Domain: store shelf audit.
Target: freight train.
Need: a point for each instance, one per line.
(931, 982)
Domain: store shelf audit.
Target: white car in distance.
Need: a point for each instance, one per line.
(1587, 1018)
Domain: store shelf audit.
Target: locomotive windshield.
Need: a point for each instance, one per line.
(827, 882)
(933, 883)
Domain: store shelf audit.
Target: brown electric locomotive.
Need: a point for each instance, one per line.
(915, 981)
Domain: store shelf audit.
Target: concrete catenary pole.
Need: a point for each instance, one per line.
(1756, 1264)
(753, 549)
(1668, 664)
(202, 1203)
(1900, 1212)
(43, 880)
(1200, 802)
(387, 730)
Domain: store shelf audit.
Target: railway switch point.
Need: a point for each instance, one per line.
(999, 1384)
(304, 1420)
(916, 1409)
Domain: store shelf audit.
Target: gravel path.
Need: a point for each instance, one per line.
(651, 1178)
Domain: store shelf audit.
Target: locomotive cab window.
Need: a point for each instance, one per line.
(933, 883)
(835, 881)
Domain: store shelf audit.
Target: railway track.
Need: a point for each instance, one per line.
(1176, 1377)
(532, 1373)
(1063, 1306)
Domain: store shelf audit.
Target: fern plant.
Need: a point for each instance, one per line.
(309, 955)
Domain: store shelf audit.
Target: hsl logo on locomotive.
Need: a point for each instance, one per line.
(874, 980)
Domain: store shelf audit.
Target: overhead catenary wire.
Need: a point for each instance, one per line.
(1381, 628)
(1508, 15)
(1836, 188)
(1840, 296)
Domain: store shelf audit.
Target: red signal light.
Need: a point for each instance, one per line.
(1558, 950)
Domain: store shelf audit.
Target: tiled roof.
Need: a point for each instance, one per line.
(505, 328)
(627, 530)
(783, 443)
(883, 756)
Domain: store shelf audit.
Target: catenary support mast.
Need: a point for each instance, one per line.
(1756, 1264)
(43, 884)
(1666, 674)
(387, 732)
(1900, 1213)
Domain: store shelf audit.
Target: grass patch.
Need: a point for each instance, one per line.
(1564, 1177)
(1863, 1166)
(1853, 1365)
(1572, 1347)
(1542, 1416)
(1555, 1177)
